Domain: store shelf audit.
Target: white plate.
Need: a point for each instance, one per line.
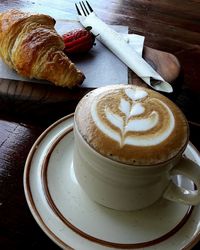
(72, 220)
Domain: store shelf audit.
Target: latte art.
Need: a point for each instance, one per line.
(130, 123)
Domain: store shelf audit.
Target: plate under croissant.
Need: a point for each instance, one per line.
(21, 91)
(72, 220)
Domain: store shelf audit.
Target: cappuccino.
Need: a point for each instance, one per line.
(132, 125)
(128, 144)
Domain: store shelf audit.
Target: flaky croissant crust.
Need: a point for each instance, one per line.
(30, 45)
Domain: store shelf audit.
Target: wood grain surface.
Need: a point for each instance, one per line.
(168, 26)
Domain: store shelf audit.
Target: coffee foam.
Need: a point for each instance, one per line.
(131, 124)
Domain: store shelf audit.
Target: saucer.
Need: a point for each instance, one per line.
(73, 221)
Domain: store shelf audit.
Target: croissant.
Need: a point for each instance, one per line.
(30, 45)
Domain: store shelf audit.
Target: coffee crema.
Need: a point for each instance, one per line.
(131, 124)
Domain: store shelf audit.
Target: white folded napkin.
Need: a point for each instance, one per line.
(126, 53)
(135, 41)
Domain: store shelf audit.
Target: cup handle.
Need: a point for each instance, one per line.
(190, 170)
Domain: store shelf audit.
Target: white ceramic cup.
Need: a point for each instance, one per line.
(123, 187)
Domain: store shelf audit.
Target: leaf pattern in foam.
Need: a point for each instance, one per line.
(114, 119)
(124, 106)
(130, 109)
(137, 109)
(144, 124)
(136, 94)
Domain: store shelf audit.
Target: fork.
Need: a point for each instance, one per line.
(120, 47)
(85, 9)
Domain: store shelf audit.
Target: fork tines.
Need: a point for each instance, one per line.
(85, 9)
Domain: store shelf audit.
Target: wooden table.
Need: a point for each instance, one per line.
(171, 26)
